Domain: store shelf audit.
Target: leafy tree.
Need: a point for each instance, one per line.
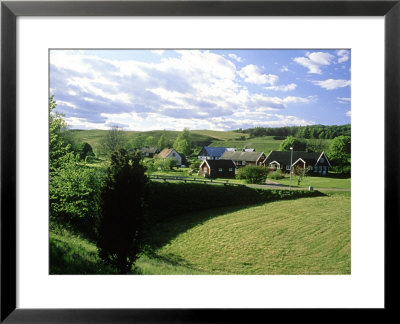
(73, 188)
(299, 173)
(315, 145)
(57, 147)
(296, 143)
(253, 174)
(138, 142)
(85, 150)
(340, 152)
(167, 164)
(162, 142)
(122, 211)
(150, 141)
(183, 143)
(114, 140)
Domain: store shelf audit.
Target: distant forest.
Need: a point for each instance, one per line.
(310, 132)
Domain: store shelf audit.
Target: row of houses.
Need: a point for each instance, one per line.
(223, 162)
(225, 165)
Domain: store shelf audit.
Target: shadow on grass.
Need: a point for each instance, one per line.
(164, 232)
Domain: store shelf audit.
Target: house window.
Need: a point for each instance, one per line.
(220, 169)
(310, 167)
(243, 162)
(230, 169)
(173, 154)
(322, 160)
(288, 167)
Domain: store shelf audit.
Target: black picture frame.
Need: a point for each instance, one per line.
(10, 10)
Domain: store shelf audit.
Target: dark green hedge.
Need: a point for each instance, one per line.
(167, 200)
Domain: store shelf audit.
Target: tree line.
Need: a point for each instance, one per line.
(308, 132)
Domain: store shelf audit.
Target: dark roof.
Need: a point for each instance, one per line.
(284, 157)
(220, 163)
(241, 156)
(213, 151)
(152, 150)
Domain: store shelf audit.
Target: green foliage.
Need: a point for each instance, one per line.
(85, 151)
(162, 142)
(164, 164)
(253, 174)
(299, 173)
(57, 147)
(73, 188)
(183, 143)
(309, 132)
(316, 145)
(150, 141)
(276, 175)
(340, 152)
(114, 140)
(122, 211)
(296, 143)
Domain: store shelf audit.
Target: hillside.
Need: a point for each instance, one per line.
(200, 138)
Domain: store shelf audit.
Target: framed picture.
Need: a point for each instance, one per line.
(47, 47)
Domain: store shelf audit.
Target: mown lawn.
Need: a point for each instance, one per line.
(303, 236)
(317, 182)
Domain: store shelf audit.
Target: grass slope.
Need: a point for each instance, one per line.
(304, 236)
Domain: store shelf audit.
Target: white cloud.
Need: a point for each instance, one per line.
(348, 113)
(343, 100)
(195, 89)
(251, 74)
(284, 69)
(343, 55)
(332, 84)
(314, 61)
(235, 57)
(283, 87)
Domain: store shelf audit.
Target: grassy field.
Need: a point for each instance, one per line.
(303, 236)
(317, 182)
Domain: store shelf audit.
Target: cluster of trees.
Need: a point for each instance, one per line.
(108, 208)
(339, 152)
(308, 132)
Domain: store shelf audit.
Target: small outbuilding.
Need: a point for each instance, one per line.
(218, 168)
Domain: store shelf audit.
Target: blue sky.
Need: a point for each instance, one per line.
(201, 89)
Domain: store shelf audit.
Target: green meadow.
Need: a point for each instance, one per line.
(302, 236)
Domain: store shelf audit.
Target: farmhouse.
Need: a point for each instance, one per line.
(316, 162)
(211, 153)
(217, 168)
(149, 151)
(170, 153)
(244, 158)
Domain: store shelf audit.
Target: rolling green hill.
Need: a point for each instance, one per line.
(200, 138)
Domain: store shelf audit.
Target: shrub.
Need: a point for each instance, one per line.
(276, 175)
(253, 174)
(122, 211)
